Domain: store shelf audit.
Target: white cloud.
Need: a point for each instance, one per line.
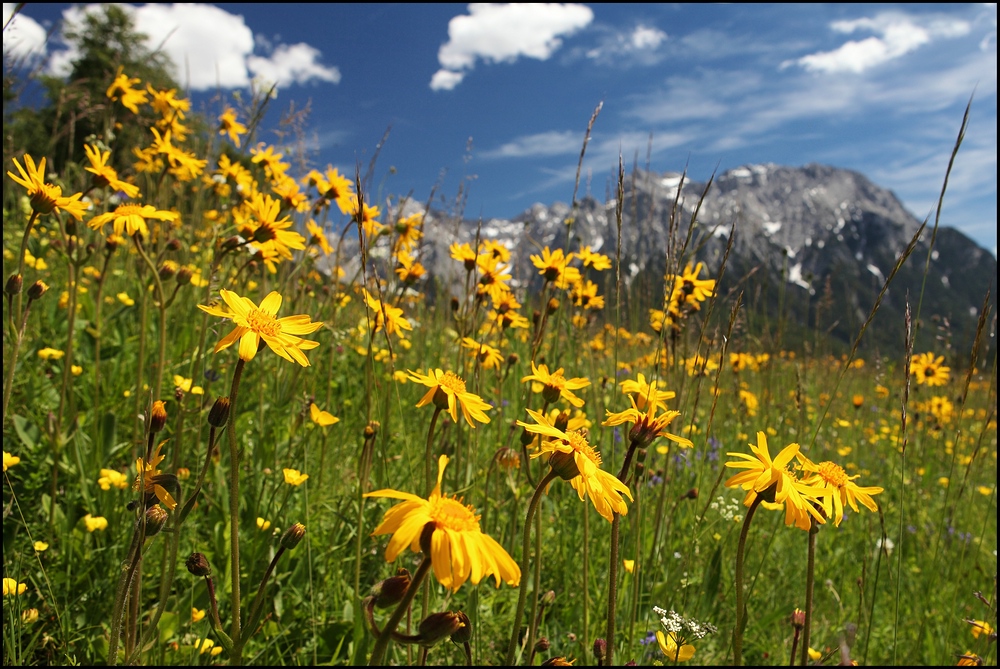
(293, 64)
(622, 48)
(24, 38)
(897, 35)
(552, 143)
(210, 48)
(503, 33)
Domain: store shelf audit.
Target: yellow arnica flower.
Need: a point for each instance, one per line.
(46, 198)
(12, 588)
(554, 266)
(574, 459)
(386, 316)
(131, 97)
(646, 425)
(131, 218)
(629, 565)
(294, 477)
(928, 369)
(254, 324)
(555, 385)
(320, 417)
(112, 478)
(489, 357)
(677, 652)
(838, 487)
(104, 174)
(9, 460)
(980, 627)
(464, 254)
(150, 480)
(95, 523)
(228, 125)
(459, 550)
(447, 391)
(762, 474)
(207, 646)
(186, 385)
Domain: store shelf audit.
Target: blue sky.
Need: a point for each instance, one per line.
(495, 99)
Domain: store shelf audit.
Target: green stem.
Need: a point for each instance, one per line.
(428, 449)
(536, 615)
(740, 604)
(258, 603)
(522, 594)
(609, 635)
(382, 642)
(11, 363)
(810, 581)
(236, 657)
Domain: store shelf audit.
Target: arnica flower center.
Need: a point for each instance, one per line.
(452, 382)
(263, 323)
(453, 515)
(581, 445)
(128, 210)
(833, 474)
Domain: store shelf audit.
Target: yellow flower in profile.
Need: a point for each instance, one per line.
(112, 478)
(294, 477)
(459, 550)
(929, 370)
(29, 616)
(838, 486)
(228, 125)
(317, 237)
(104, 174)
(11, 588)
(254, 324)
(669, 646)
(95, 523)
(464, 254)
(575, 460)
(197, 614)
(150, 480)
(264, 525)
(814, 654)
(386, 316)
(447, 391)
(51, 354)
(46, 198)
(598, 261)
(646, 425)
(131, 218)
(764, 474)
(645, 392)
(320, 417)
(629, 565)
(268, 232)
(9, 460)
(40, 546)
(554, 385)
(131, 97)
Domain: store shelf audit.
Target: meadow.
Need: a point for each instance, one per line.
(236, 430)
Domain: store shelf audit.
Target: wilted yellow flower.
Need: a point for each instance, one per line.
(150, 480)
(104, 174)
(294, 477)
(95, 523)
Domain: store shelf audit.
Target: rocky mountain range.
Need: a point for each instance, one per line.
(807, 239)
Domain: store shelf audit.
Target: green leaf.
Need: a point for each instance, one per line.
(27, 431)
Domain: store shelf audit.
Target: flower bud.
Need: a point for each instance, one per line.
(390, 592)
(174, 245)
(562, 421)
(168, 268)
(526, 437)
(542, 645)
(14, 283)
(512, 359)
(691, 494)
(798, 619)
(549, 598)
(157, 417)
(184, 276)
(454, 304)
(292, 536)
(198, 565)
(156, 518)
(552, 306)
(371, 429)
(219, 413)
(438, 626)
(564, 464)
(37, 289)
(111, 243)
(600, 649)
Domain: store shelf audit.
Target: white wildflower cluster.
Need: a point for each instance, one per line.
(684, 628)
(727, 508)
